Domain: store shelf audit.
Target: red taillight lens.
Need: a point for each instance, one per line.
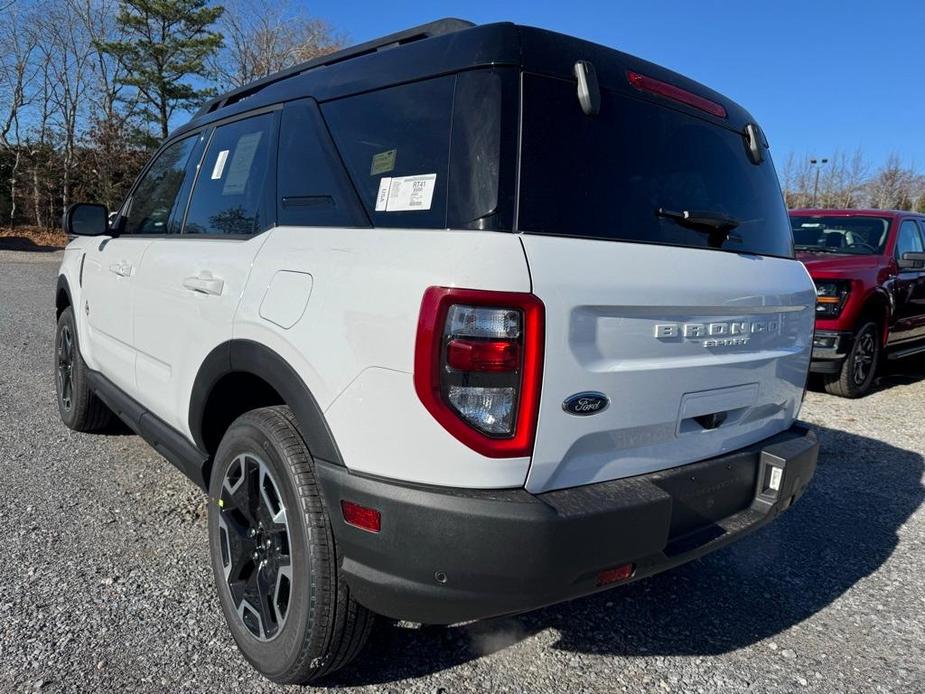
(488, 355)
(478, 363)
(669, 91)
(616, 574)
(361, 516)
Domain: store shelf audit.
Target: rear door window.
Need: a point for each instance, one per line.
(605, 176)
(230, 194)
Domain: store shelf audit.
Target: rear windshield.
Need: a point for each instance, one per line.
(606, 176)
(849, 235)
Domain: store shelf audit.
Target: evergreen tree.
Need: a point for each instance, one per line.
(166, 43)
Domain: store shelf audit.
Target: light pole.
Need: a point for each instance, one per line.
(817, 163)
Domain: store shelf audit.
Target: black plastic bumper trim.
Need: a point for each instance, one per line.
(450, 555)
(828, 356)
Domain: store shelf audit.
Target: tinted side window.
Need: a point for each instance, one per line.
(229, 196)
(909, 239)
(156, 194)
(312, 187)
(607, 176)
(395, 143)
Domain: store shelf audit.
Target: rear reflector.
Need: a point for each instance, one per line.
(361, 516)
(669, 91)
(616, 574)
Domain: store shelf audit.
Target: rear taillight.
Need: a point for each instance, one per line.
(478, 364)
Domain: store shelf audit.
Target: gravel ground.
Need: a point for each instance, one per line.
(105, 583)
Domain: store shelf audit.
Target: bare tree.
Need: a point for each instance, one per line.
(17, 74)
(112, 154)
(841, 182)
(797, 181)
(263, 37)
(68, 50)
(893, 187)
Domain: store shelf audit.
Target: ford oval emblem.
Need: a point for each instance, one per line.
(584, 404)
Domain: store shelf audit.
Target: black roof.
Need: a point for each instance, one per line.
(445, 47)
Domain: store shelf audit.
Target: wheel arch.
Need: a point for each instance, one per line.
(62, 296)
(878, 304)
(268, 379)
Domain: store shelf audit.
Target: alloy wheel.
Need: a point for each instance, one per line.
(864, 357)
(255, 546)
(65, 371)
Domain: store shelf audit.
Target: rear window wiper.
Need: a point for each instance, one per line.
(715, 224)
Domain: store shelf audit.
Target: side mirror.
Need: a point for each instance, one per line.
(86, 219)
(912, 261)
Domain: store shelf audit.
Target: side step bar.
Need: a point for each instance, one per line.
(908, 352)
(166, 440)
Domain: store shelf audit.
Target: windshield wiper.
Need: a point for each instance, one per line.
(817, 249)
(715, 224)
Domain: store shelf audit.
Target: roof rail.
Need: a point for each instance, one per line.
(424, 31)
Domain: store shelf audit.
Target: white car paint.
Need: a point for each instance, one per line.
(603, 300)
(350, 333)
(187, 292)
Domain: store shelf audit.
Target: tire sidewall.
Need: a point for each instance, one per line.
(278, 656)
(69, 416)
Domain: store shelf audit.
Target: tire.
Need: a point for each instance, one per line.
(860, 366)
(79, 408)
(305, 624)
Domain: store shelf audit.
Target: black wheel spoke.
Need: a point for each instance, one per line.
(65, 371)
(255, 540)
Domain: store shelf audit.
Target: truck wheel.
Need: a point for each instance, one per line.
(274, 557)
(79, 408)
(860, 366)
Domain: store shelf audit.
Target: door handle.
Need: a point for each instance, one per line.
(204, 283)
(122, 269)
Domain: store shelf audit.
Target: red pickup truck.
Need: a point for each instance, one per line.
(869, 270)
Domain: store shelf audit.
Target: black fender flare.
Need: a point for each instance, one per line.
(66, 288)
(889, 303)
(246, 356)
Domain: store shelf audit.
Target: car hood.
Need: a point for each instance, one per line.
(831, 264)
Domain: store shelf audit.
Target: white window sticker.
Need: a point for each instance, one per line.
(382, 197)
(776, 475)
(406, 193)
(241, 161)
(219, 164)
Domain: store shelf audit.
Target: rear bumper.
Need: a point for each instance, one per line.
(830, 347)
(451, 555)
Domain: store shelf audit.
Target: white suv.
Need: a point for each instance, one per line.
(454, 324)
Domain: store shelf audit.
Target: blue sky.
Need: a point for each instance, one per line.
(819, 75)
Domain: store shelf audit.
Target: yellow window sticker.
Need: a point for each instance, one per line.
(383, 162)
